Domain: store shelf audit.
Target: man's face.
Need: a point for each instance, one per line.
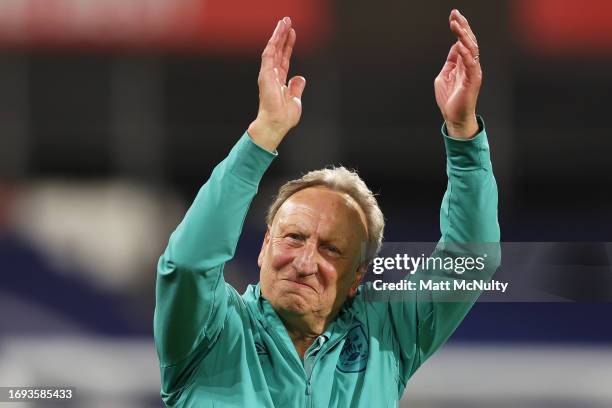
(311, 255)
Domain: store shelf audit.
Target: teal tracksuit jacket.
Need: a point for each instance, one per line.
(218, 348)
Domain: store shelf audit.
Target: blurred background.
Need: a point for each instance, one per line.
(114, 112)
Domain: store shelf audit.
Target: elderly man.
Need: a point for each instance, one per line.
(310, 334)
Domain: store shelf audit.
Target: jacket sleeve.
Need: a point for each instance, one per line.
(469, 227)
(191, 296)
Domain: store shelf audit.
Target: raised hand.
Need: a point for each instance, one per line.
(280, 105)
(458, 83)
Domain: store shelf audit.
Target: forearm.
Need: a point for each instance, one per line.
(190, 294)
(469, 228)
(468, 215)
(210, 230)
(469, 208)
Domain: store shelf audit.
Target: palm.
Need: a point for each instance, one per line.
(274, 104)
(454, 93)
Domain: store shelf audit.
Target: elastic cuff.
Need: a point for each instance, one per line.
(248, 160)
(470, 154)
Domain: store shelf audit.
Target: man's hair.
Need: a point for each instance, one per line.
(342, 180)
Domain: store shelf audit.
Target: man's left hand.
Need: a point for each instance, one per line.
(458, 83)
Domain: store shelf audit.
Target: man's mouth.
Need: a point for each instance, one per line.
(301, 284)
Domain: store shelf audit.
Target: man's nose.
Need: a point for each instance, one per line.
(306, 261)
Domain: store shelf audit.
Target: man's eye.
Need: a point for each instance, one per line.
(294, 237)
(333, 249)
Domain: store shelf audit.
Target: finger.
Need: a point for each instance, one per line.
(452, 54)
(464, 38)
(296, 86)
(462, 34)
(267, 56)
(286, 59)
(460, 67)
(451, 60)
(283, 34)
(469, 63)
(465, 25)
(284, 91)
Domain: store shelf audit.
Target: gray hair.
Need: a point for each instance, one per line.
(342, 180)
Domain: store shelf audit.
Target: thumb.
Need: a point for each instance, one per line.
(296, 86)
(451, 61)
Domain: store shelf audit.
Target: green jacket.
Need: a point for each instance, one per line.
(219, 348)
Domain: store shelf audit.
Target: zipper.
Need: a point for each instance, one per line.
(308, 369)
(307, 375)
(281, 344)
(309, 399)
(288, 352)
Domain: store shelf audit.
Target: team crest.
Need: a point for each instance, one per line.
(354, 354)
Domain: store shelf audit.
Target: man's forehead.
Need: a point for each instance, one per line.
(319, 204)
(320, 201)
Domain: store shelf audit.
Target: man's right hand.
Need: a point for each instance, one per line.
(280, 105)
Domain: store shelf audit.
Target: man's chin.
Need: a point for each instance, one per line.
(295, 303)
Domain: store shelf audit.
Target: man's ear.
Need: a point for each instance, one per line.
(359, 274)
(264, 247)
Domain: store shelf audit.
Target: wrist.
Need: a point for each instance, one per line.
(264, 135)
(463, 130)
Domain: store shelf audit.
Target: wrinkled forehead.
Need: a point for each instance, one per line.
(330, 211)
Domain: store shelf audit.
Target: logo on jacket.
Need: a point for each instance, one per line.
(260, 348)
(354, 354)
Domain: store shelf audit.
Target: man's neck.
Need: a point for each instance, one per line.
(302, 341)
(304, 331)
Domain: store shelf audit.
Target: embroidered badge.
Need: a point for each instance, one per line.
(354, 354)
(260, 349)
